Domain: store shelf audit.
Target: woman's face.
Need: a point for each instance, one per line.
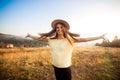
(59, 28)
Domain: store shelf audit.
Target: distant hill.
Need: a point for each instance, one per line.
(20, 41)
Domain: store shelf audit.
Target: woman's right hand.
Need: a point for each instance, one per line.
(28, 35)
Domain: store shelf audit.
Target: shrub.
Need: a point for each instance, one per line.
(114, 43)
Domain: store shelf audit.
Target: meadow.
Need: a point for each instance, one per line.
(88, 63)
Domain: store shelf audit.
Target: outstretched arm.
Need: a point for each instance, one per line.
(36, 38)
(90, 38)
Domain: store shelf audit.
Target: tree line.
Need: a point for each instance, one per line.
(21, 42)
(106, 43)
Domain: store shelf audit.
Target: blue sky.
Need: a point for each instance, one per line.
(20, 17)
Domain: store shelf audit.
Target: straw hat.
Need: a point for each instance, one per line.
(53, 24)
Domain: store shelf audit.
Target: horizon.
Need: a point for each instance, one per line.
(110, 37)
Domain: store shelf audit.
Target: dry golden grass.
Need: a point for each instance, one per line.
(88, 63)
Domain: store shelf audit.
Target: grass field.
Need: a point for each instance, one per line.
(88, 63)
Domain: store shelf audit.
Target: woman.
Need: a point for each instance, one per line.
(61, 42)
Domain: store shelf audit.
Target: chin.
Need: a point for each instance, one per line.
(60, 33)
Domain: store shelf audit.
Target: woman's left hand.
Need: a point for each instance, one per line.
(103, 36)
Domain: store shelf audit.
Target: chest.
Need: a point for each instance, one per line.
(60, 44)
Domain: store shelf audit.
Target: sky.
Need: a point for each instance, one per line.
(19, 17)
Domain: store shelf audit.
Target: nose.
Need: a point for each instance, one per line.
(59, 29)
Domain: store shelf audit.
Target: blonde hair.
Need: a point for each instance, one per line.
(52, 34)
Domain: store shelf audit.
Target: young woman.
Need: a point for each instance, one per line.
(61, 42)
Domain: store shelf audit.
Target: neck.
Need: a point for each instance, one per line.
(60, 36)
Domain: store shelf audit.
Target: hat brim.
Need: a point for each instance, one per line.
(53, 24)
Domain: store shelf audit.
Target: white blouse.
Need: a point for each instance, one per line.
(61, 52)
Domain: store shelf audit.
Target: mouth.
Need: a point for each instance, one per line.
(58, 30)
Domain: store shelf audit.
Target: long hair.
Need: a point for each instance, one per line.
(52, 34)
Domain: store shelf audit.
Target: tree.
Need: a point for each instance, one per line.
(2, 45)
